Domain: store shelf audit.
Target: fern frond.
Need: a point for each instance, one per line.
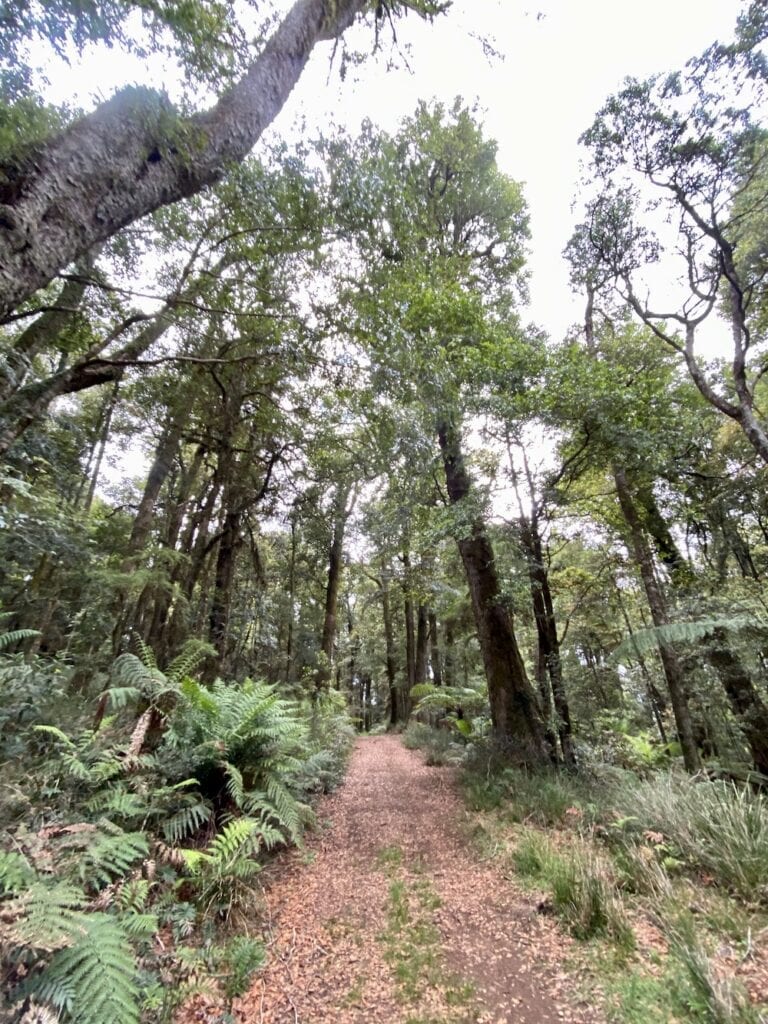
(146, 652)
(133, 895)
(16, 873)
(57, 734)
(119, 697)
(45, 916)
(236, 841)
(186, 820)
(117, 802)
(448, 698)
(111, 855)
(645, 640)
(94, 979)
(194, 654)
(139, 926)
(15, 636)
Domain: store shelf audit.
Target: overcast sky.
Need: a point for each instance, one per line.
(562, 59)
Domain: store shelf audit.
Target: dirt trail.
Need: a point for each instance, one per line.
(387, 917)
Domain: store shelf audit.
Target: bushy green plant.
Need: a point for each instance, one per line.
(715, 827)
(438, 744)
(223, 874)
(581, 885)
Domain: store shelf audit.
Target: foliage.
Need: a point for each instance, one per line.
(715, 827)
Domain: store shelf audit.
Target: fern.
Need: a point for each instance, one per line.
(93, 980)
(110, 854)
(15, 636)
(16, 874)
(188, 819)
(44, 917)
(647, 640)
(223, 873)
(447, 698)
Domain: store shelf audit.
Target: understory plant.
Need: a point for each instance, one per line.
(149, 812)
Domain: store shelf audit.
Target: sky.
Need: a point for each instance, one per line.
(562, 59)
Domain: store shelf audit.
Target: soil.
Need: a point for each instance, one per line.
(388, 916)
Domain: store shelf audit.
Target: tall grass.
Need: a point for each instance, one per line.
(716, 827)
(581, 886)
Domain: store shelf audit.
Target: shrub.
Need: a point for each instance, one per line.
(437, 744)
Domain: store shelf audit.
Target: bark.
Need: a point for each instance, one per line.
(410, 640)
(30, 403)
(673, 669)
(134, 154)
(422, 639)
(45, 329)
(515, 716)
(335, 566)
(748, 708)
(96, 458)
(434, 651)
(291, 600)
(655, 698)
(546, 629)
(450, 653)
(226, 555)
(389, 645)
(165, 453)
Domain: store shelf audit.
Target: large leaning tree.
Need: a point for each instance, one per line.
(75, 187)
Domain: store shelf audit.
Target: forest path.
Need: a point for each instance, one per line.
(387, 916)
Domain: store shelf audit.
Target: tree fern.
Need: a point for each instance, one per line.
(645, 640)
(448, 698)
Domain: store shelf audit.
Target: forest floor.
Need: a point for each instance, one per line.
(388, 915)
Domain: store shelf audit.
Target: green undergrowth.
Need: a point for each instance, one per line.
(440, 747)
(663, 881)
(412, 947)
(133, 827)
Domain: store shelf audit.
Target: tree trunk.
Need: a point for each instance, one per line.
(389, 646)
(673, 669)
(229, 544)
(546, 628)
(450, 653)
(335, 566)
(45, 330)
(135, 154)
(422, 640)
(515, 716)
(748, 708)
(410, 640)
(434, 650)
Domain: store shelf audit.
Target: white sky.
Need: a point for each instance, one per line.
(563, 58)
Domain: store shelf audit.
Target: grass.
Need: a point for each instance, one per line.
(713, 827)
(581, 886)
(437, 744)
(412, 944)
(688, 856)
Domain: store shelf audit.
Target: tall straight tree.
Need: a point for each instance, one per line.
(444, 249)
